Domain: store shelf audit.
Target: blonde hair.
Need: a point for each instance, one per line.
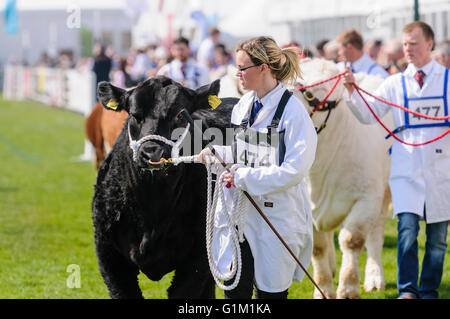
(283, 63)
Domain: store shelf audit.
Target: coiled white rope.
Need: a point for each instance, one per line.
(232, 220)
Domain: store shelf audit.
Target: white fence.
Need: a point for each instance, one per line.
(64, 88)
(69, 89)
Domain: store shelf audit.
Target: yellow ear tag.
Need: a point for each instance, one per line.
(112, 104)
(214, 101)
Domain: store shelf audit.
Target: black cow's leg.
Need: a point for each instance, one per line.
(119, 274)
(192, 282)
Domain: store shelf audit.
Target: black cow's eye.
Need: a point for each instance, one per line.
(179, 117)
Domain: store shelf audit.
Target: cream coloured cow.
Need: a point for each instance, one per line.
(348, 186)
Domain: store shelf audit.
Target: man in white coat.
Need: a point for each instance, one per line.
(278, 187)
(420, 175)
(351, 50)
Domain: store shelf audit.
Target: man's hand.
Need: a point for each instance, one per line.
(348, 79)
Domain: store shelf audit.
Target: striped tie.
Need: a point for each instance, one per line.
(256, 107)
(419, 77)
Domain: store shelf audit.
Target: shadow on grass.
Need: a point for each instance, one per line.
(444, 291)
(390, 242)
(391, 285)
(8, 189)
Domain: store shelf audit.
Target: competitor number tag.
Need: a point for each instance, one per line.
(214, 101)
(431, 107)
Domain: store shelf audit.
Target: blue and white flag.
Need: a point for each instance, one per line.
(11, 17)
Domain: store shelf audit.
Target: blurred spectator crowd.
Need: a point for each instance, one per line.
(213, 58)
(388, 54)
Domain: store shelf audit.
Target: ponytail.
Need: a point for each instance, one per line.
(290, 69)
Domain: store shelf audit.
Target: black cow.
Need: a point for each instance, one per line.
(152, 217)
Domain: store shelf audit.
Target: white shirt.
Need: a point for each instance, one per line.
(140, 66)
(282, 186)
(365, 64)
(205, 53)
(419, 174)
(195, 75)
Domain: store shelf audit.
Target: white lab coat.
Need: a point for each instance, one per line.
(196, 75)
(419, 174)
(365, 64)
(284, 186)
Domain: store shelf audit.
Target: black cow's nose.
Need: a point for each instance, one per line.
(151, 153)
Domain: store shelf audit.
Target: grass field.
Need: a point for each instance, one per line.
(45, 215)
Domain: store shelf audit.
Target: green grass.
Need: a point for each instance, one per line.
(45, 215)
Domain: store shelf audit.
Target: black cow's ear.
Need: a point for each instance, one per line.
(111, 97)
(207, 96)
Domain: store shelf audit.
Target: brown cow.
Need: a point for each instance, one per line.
(102, 129)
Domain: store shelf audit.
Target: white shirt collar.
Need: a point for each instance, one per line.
(428, 68)
(266, 100)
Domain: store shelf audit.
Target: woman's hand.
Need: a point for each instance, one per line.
(205, 152)
(229, 179)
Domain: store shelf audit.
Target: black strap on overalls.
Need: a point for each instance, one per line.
(273, 124)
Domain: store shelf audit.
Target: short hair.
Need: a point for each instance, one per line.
(220, 47)
(352, 37)
(181, 40)
(213, 31)
(426, 29)
(321, 44)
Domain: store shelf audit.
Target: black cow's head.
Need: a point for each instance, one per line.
(154, 108)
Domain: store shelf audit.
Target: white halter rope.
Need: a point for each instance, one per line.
(233, 220)
(135, 145)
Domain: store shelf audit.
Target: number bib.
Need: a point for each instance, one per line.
(427, 106)
(255, 149)
(436, 106)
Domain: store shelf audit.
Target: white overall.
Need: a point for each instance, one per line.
(279, 190)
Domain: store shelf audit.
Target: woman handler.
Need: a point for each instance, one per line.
(277, 183)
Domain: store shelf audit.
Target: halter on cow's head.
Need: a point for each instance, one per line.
(313, 71)
(154, 109)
